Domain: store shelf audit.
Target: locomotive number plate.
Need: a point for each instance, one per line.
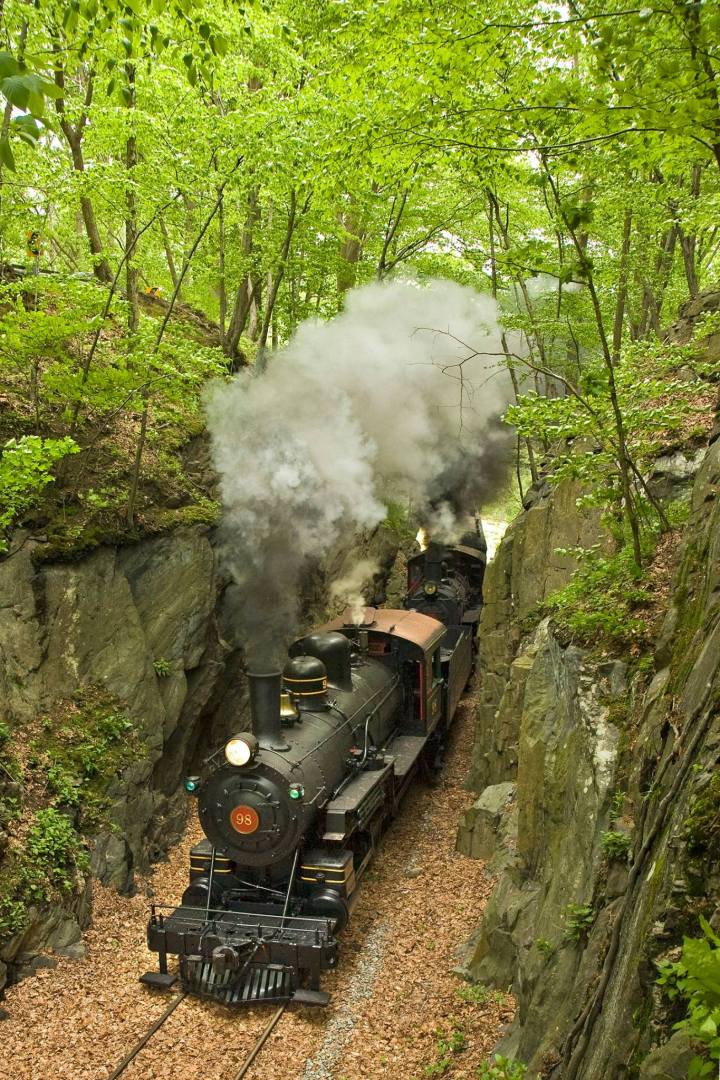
(244, 819)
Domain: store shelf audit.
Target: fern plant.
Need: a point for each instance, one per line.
(695, 978)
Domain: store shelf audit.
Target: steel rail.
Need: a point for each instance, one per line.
(267, 1031)
(130, 1057)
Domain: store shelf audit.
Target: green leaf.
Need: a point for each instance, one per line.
(6, 154)
(8, 65)
(17, 91)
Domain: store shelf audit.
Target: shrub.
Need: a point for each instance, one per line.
(601, 598)
(579, 919)
(502, 1068)
(695, 979)
(448, 1044)
(54, 855)
(615, 845)
(12, 916)
(162, 668)
(480, 995)
(25, 469)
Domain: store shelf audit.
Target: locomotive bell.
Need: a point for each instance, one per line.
(289, 712)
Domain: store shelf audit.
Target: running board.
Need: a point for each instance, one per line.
(365, 793)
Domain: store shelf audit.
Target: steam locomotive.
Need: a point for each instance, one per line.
(292, 811)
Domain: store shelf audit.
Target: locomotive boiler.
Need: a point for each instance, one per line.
(292, 809)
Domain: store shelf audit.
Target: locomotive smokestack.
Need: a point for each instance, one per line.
(434, 562)
(265, 709)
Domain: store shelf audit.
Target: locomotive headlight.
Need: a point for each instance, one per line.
(430, 588)
(241, 749)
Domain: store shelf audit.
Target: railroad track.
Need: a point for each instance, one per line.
(157, 1024)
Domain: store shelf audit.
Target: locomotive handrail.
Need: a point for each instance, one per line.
(348, 719)
(242, 919)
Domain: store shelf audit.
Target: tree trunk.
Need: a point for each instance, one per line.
(653, 297)
(508, 358)
(74, 137)
(351, 246)
(249, 288)
(222, 290)
(131, 160)
(168, 253)
(624, 462)
(277, 278)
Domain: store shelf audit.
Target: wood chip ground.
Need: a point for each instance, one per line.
(393, 998)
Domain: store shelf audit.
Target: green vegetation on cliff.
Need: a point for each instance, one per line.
(54, 794)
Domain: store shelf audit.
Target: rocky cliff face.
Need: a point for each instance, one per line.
(571, 749)
(151, 625)
(145, 623)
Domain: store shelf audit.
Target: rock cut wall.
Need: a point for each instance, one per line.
(570, 747)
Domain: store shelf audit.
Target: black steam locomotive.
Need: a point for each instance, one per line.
(293, 810)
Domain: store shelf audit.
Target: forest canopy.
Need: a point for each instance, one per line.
(242, 165)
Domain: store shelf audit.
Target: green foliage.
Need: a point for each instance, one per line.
(85, 742)
(578, 920)
(615, 845)
(81, 746)
(54, 855)
(694, 980)
(600, 603)
(476, 994)
(12, 916)
(399, 520)
(162, 667)
(47, 868)
(544, 946)
(25, 469)
(449, 1043)
(502, 1068)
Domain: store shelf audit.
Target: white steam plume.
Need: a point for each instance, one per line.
(349, 590)
(398, 396)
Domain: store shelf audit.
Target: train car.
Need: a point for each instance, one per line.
(293, 809)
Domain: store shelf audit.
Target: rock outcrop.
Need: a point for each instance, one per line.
(145, 623)
(526, 568)
(606, 843)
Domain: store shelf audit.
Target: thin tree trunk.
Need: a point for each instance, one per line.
(168, 253)
(351, 246)
(74, 137)
(131, 160)
(145, 394)
(277, 278)
(249, 288)
(621, 299)
(625, 465)
(506, 351)
(222, 289)
(653, 298)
